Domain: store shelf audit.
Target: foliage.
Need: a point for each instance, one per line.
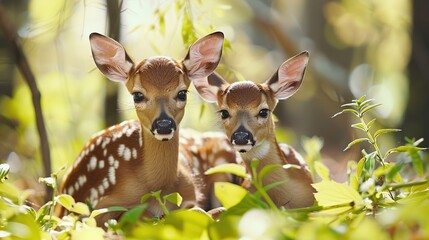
(378, 202)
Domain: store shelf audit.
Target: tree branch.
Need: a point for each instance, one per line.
(21, 61)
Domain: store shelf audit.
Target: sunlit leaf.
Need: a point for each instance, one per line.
(403, 149)
(369, 108)
(383, 131)
(49, 181)
(80, 208)
(383, 169)
(145, 197)
(97, 212)
(322, 170)
(4, 171)
(190, 224)
(232, 168)
(66, 201)
(174, 198)
(360, 126)
(359, 140)
(229, 194)
(360, 167)
(364, 103)
(370, 123)
(330, 193)
(392, 174)
(346, 111)
(88, 233)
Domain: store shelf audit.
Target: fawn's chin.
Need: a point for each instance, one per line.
(243, 148)
(163, 137)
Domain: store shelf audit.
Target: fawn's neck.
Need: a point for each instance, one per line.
(160, 160)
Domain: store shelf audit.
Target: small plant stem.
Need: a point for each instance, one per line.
(403, 185)
(318, 208)
(372, 140)
(265, 196)
(162, 204)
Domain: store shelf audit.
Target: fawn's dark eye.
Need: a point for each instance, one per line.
(224, 114)
(263, 113)
(138, 97)
(182, 95)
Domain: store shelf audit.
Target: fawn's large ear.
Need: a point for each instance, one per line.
(110, 57)
(209, 87)
(288, 78)
(204, 56)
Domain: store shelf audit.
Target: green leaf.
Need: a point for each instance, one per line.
(346, 111)
(80, 208)
(97, 212)
(49, 181)
(322, 170)
(191, 224)
(359, 140)
(360, 126)
(145, 197)
(202, 109)
(370, 123)
(174, 198)
(361, 99)
(132, 216)
(383, 131)
(364, 103)
(267, 169)
(417, 161)
(330, 193)
(229, 194)
(353, 105)
(4, 171)
(403, 149)
(369, 108)
(66, 201)
(383, 169)
(360, 167)
(232, 168)
(394, 171)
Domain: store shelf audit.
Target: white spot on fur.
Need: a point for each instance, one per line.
(105, 142)
(91, 147)
(82, 180)
(101, 164)
(76, 186)
(111, 160)
(105, 152)
(134, 153)
(105, 183)
(101, 190)
(121, 149)
(112, 175)
(127, 154)
(70, 190)
(93, 196)
(129, 132)
(98, 141)
(92, 163)
(116, 164)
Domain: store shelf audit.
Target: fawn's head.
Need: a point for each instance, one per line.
(245, 107)
(158, 84)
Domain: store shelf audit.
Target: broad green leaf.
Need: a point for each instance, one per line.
(80, 208)
(87, 233)
(322, 170)
(191, 224)
(97, 212)
(145, 197)
(131, 217)
(330, 193)
(267, 169)
(369, 108)
(383, 131)
(174, 198)
(360, 167)
(4, 171)
(232, 168)
(359, 140)
(392, 174)
(229, 194)
(66, 201)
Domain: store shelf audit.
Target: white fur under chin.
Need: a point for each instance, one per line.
(163, 137)
(259, 152)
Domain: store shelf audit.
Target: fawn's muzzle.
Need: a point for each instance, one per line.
(242, 140)
(163, 128)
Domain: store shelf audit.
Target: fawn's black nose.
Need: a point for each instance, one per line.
(163, 125)
(242, 139)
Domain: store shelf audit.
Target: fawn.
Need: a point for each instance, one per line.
(122, 163)
(245, 108)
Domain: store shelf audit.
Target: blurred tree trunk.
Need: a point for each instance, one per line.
(111, 106)
(416, 119)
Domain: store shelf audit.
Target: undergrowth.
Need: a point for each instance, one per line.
(380, 200)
